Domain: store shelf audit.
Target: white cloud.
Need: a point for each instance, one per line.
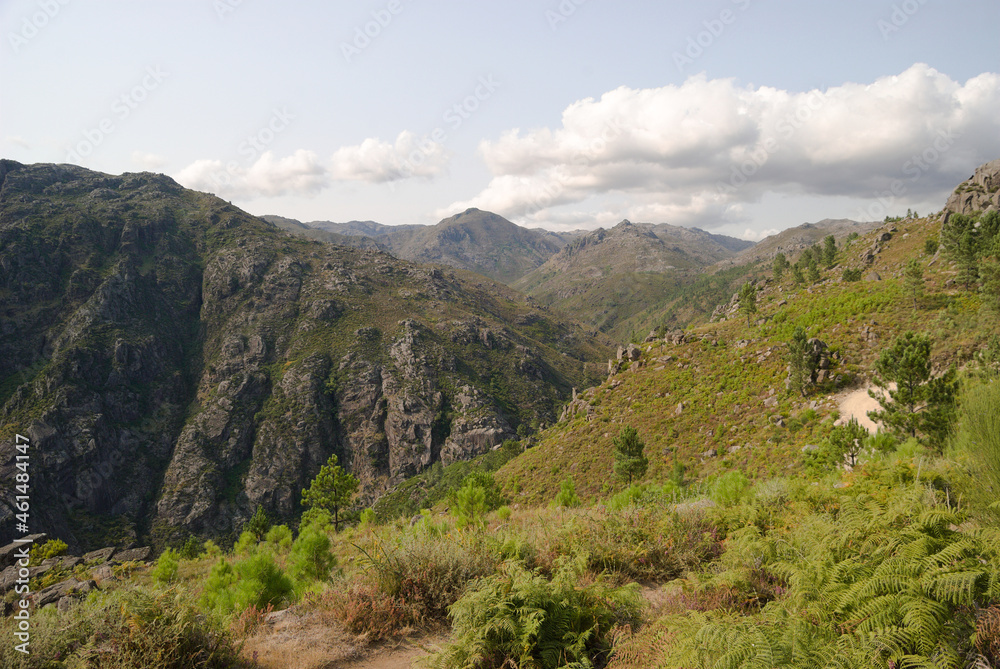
(693, 153)
(17, 140)
(149, 161)
(298, 174)
(757, 235)
(377, 161)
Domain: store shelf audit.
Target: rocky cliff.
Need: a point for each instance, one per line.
(177, 362)
(980, 192)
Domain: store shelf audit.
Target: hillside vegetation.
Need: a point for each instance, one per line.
(705, 505)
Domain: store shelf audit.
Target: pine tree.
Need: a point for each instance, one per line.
(913, 277)
(780, 265)
(331, 489)
(918, 403)
(630, 462)
(829, 251)
(748, 300)
(813, 274)
(847, 441)
(797, 275)
(799, 367)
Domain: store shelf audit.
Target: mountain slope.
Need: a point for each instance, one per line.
(178, 361)
(607, 277)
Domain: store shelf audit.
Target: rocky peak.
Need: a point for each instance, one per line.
(980, 192)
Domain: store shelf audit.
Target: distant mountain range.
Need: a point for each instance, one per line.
(479, 241)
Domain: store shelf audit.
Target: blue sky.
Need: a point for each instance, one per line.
(737, 116)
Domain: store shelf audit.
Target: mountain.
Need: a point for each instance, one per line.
(606, 277)
(319, 234)
(475, 240)
(177, 362)
(794, 240)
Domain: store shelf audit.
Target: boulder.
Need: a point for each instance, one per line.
(873, 276)
(132, 555)
(102, 555)
(54, 593)
(8, 554)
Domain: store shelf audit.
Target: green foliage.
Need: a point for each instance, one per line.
(931, 245)
(887, 583)
(190, 549)
(279, 537)
(504, 513)
(469, 506)
(829, 251)
(311, 558)
(210, 549)
(748, 300)
(843, 446)
(315, 516)
(246, 543)
(165, 570)
(126, 627)
(630, 463)
(253, 581)
(797, 276)
(799, 361)
(919, 403)
(779, 266)
(851, 275)
(50, 549)
(518, 618)
(962, 241)
(913, 278)
(258, 523)
(367, 518)
(332, 489)
(567, 497)
(729, 488)
(978, 437)
(650, 495)
(492, 495)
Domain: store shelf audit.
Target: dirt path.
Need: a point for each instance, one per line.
(857, 404)
(401, 656)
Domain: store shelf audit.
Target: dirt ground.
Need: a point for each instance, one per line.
(316, 640)
(857, 404)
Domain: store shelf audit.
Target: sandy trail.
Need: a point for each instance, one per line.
(857, 404)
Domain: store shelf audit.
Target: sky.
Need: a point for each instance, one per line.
(741, 117)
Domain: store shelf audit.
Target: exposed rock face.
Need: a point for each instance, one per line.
(981, 192)
(179, 362)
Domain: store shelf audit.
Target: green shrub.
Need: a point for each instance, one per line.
(367, 518)
(246, 544)
(279, 537)
(469, 505)
(190, 549)
(566, 497)
(431, 573)
(852, 275)
(50, 549)
(165, 570)
(729, 488)
(258, 523)
(518, 618)
(254, 581)
(311, 559)
(316, 516)
(978, 437)
(127, 627)
(503, 513)
(644, 495)
(211, 549)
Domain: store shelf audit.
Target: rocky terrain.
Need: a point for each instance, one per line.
(607, 276)
(980, 192)
(177, 362)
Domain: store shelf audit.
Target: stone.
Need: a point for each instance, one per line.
(873, 276)
(101, 555)
(885, 236)
(132, 555)
(54, 593)
(633, 352)
(8, 554)
(64, 604)
(103, 572)
(710, 453)
(680, 409)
